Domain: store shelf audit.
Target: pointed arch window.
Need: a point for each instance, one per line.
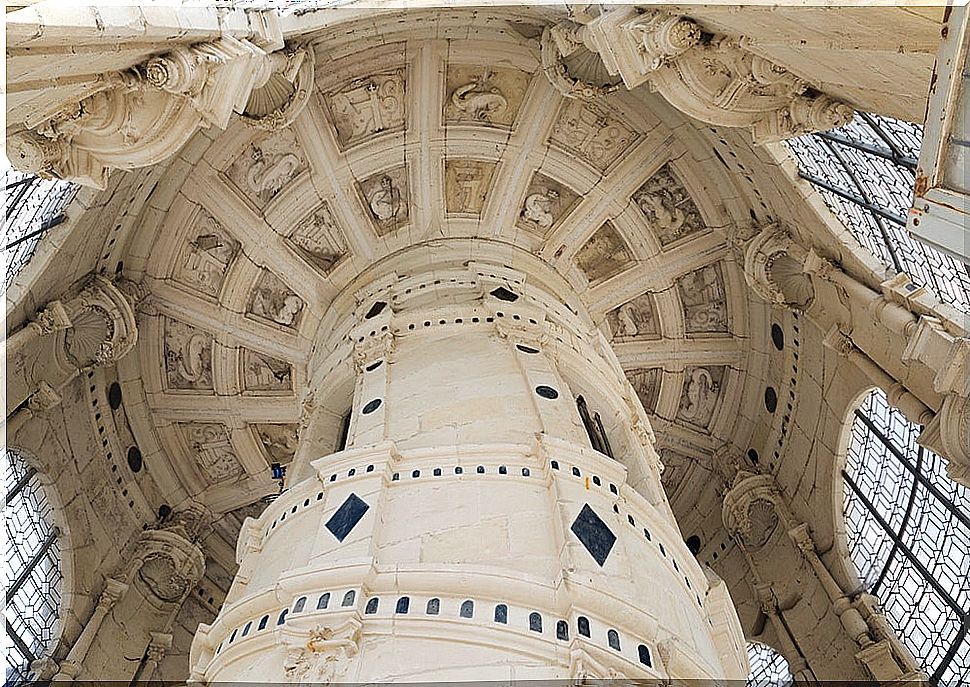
(33, 572)
(908, 535)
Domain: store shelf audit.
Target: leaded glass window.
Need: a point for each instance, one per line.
(865, 172)
(33, 571)
(908, 530)
(32, 206)
(768, 667)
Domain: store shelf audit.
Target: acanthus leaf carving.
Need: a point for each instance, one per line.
(716, 80)
(144, 114)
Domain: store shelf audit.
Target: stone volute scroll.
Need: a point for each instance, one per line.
(710, 77)
(145, 114)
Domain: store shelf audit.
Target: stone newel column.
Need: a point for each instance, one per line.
(469, 530)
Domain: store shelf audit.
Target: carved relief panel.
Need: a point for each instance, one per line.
(604, 255)
(668, 207)
(546, 204)
(592, 133)
(205, 258)
(483, 95)
(634, 319)
(212, 451)
(267, 165)
(188, 357)
(704, 300)
(466, 185)
(385, 197)
(279, 441)
(699, 398)
(319, 240)
(368, 106)
(272, 301)
(263, 374)
(646, 382)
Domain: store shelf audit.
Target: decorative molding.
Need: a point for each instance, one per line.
(146, 113)
(712, 78)
(775, 268)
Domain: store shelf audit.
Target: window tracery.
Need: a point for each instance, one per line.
(33, 205)
(865, 171)
(768, 667)
(33, 572)
(908, 531)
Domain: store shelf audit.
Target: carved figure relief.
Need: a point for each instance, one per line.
(466, 185)
(213, 451)
(188, 357)
(368, 106)
(704, 300)
(634, 320)
(321, 661)
(646, 382)
(267, 165)
(484, 95)
(592, 133)
(319, 240)
(604, 255)
(278, 440)
(386, 197)
(668, 207)
(273, 300)
(264, 373)
(206, 257)
(698, 400)
(547, 202)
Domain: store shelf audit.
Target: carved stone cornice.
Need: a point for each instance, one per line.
(145, 114)
(712, 78)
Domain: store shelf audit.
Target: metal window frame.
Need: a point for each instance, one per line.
(916, 468)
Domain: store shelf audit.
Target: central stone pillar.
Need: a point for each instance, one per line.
(468, 530)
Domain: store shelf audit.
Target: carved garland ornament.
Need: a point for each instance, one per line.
(145, 114)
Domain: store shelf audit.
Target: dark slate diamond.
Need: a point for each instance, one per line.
(347, 516)
(593, 534)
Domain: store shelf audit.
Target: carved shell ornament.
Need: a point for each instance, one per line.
(479, 100)
(285, 90)
(559, 74)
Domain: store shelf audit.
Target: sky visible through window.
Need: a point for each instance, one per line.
(865, 172)
(32, 569)
(908, 528)
(768, 667)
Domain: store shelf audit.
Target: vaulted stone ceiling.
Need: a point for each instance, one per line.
(443, 126)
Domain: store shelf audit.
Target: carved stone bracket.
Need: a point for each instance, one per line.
(147, 113)
(750, 510)
(167, 559)
(103, 327)
(773, 268)
(712, 78)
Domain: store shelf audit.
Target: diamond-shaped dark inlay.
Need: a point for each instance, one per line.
(347, 516)
(593, 534)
